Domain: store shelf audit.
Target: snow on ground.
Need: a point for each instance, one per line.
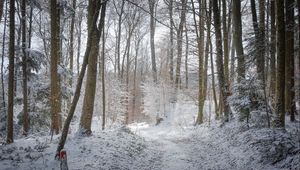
(175, 144)
(229, 147)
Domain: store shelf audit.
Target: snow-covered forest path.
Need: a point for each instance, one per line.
(180, 148)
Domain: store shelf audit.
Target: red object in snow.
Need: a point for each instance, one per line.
(63, 155)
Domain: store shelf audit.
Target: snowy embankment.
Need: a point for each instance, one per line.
(116, 149)
(168, 146)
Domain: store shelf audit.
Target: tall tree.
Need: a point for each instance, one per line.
(92, 26)
(261, 42)
(10, 107)
(118, 45)
(152, 6)
(1, 8)
(273, 50)
(237, 38)
(225, 40)
(24, 69)
(90, 86)
(280, 82)
(55, 58)
(199, 29)
(103, 77)
(221, 78)
(258, 39)
(171, 41)
(71, 54)
(290, 106)
(2, 56)
(179, 41)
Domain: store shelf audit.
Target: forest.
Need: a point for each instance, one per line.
(150, 84)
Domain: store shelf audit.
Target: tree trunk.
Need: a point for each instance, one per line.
(103, 78)
(72, 42)
(171, 41)
(2, 56)
(90, 87)
(273, 51)
(127, 73)
(24, 69)
(119, 37)
(186, 58)
(237, 38)
(213, 81)
(1, 8)
(152, 33)
(261, 46)
(179, 43)
(200, 45)
(91, 27)
(280, 82)
(79, 41)
(10, 107)
(289, 60)
(222, 83)
(55, 58)
(225, 41)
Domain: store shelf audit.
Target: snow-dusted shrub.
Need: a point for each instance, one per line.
(116, 101)
(248, 100)
(39, 105)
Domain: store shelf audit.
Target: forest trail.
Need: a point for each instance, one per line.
(181, 149)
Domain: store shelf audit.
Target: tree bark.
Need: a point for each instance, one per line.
(200, 45)
(237, 38)
(280, 82)
(90, 87)
(79, 40)
(289, 60)
(225, 41)
(1, 8)
(91, 29)
(261, 46)
(10, 107)
(103, 78)
(24, 69)
(71, 54)
(2, 56)
(55, 58)
(186, 58)
(273, 51)
(119, 36)
(222, 83)
(152, 33)
(171, 41)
